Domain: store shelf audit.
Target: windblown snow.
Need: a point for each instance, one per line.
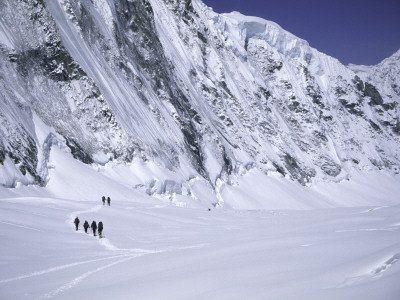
(241, 163)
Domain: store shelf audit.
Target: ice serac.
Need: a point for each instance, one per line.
(170, 81)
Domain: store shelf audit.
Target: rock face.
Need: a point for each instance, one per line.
(173, 82)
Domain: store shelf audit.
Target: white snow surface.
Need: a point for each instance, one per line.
(266, 100)
(294, 247)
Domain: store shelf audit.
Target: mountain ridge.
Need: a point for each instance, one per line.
(197, 92)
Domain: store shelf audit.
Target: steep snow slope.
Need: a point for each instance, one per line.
(207, 97)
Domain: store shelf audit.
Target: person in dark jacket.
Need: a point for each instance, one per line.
(76, 222)
(94, 227)
(86, 226)
(104, 200)
(108, 201)
(100, 228)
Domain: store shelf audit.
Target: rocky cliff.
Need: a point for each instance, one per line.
(171, 81)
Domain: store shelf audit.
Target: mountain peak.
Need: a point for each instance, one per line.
(255, 27)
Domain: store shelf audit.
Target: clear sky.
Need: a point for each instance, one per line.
(353, 31)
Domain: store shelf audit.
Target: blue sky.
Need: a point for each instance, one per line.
(353, 31)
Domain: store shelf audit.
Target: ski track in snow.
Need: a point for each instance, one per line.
(128, 257)
(61, 267)
(372, 209)
(21, 226)
(105, 243)
(139, 252)
(78, 279)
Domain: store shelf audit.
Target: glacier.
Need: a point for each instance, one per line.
(151, 249)
(241, 162)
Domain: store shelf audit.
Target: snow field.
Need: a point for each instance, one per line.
(266, 237)
(272, 238)
(164, 252)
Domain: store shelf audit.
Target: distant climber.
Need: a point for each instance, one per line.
(108, 201)
(94, 227)
(100, 228)
(76, 222)
(86, 226)
(104, 200)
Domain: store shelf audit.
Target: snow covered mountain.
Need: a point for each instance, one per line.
(166, 98)
(171, 83)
